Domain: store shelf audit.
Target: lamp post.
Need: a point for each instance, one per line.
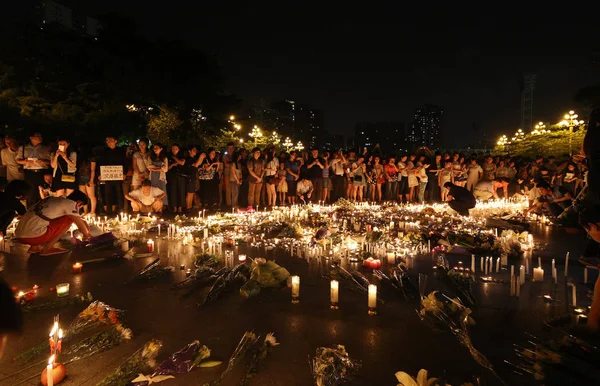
(287, 144)
(275, 138)
(571, 121)
(256, 133)
(299, 146)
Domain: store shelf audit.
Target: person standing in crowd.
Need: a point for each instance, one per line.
(403, 190)
(459, 198)
(210, 185)
(35, 159)
(192, 182)
(227, 178)
(390, 173)
(140, 160)
(444, 176)
(325, 197)
(433, 189)
(44, 224)
(235, 175)
(256, 170)
(359, 181)
(474, 174)
(502, 177)
(86, 177)
(158, 165)
(128, 180)
(292, 167)
(315, 167)
(176, 179)
(282, 186)
(113, 156)
(423, 179)
(337, 176)
(489, 169)
(271, 180)
(14, 171)
(64, 164)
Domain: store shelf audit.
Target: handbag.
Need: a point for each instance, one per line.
(205, 175)
(358, 178)
(65, 177)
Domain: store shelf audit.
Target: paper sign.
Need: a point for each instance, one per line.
(111, 173)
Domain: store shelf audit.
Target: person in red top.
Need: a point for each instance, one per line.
(390, 173)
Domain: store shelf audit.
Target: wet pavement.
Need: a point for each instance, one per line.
(393, 340)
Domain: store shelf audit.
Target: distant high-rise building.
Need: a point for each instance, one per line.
(527, 88)
(426, 127)
(69, 15)
(299, 121)
(335, 142)
(390, 136)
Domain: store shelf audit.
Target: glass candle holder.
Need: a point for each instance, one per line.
(62, 289)
(295, 289)
(372, 300)
(334, 294)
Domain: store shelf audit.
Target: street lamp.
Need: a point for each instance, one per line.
(287, 144)
(540, 128)
(571, 121)
(275, 138)
(256, 133)
(299, 146)
(231, 118)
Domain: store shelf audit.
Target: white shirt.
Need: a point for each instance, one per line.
(32, 225)
(9, 158)
(139, 195)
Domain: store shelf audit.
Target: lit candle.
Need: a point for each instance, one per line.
(334, 293)
(539, 261)
(49, 375)
(538, 274)
(554, 275)
(62, 289)
(512, 280)
(157, 225)
(391, 258)
(497, 265)
(77, 267)
(295, 289)
(242, 258)
(518, 284)
(482, 264)
(206, 232)
(473, 263)
(573, 295)
(372, 300)
(553, 265)
(566, 264)
(150, 245)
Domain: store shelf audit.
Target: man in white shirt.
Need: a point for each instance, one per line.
(304, 189)
(48, 221)
(148, 198)
(14, 171)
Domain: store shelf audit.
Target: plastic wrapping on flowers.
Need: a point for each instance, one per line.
(263, 274)
(332, 365)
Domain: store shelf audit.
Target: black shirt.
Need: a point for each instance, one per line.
(461, 194)
(113, 157)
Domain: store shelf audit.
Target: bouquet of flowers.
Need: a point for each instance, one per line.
(151, 271)
(224, 280)
(260, 352)
(459, 278)
(509, 243)
(398, 280)
(58, 303)
(452, 316)
(332, 366)
(248, 340)
(142, 361)
(263, 274)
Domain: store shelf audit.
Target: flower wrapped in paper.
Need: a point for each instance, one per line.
(142, 361)
(332, 366)
(264, 274)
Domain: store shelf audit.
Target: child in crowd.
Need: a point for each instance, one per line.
(282, 186)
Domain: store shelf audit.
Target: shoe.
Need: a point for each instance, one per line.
(54, 251)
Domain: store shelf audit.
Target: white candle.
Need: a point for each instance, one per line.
(49, 375)
(391, 258)
(372, 300)
(538, 274)
(573, 294)
(482, 264)
(206, 233)
(554, 275)
(473, 263)
(242, 258)
(334, 293)
(520, 280)
(125, 246)
(295, 289)
(491, 265)
(539, 261)
(553, 265)
(487, 259)
(522, 274)
(566, 264)
(585, 275)
(158, 225)
(497, 265)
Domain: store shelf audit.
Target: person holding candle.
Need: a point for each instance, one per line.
(49, 220)
(148, 198)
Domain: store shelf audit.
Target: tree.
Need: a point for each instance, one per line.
(163, 126)
(555, 142)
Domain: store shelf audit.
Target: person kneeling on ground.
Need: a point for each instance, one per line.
(460, 199)
(304, 188)
(10, 203)
(484, 190)
(48, 221)
(147, 198)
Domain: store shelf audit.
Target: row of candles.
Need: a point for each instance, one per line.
(334, 294)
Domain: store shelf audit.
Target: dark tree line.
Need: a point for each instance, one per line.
(60, 82)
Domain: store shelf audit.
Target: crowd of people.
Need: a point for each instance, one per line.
(151, 177)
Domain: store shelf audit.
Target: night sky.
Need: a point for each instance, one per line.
(377, 63)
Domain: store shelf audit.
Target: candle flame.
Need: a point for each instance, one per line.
(51, 360)
(60, 333)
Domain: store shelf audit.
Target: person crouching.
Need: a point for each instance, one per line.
(46, 222)
(147, 198)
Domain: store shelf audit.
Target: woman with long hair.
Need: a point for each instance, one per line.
(271, 181)
(86, 176)
(140, 171)
(210, 187)
(64, 163)
(158, 165)
(191, 186)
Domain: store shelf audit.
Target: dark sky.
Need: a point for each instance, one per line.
(371, 62)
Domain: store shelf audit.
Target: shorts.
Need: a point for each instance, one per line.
(56, 227)
(190, 185)
(291, 185)
(326, 183)
(84, 180)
